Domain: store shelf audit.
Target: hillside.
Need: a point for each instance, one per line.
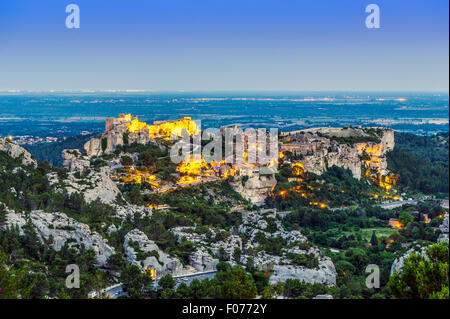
(51, 152)
(421, 161)
(122, 209)
(431, 148)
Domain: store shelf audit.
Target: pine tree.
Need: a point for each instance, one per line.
(374, 240)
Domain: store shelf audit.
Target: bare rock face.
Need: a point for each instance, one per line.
(123, 211)
(73, 161)
(324, 274)
(201, 260)
(13, 220)
(254, 223)
(93, 147)
(144, 253)
(56, 229)
(97, 184)
(15, 151)
(205, 256)
(254, 184)
(444, 230)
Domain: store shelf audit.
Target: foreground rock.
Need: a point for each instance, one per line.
(219, 244)
(15, 151)
(57, 229)
(399, 263)
(144, 253)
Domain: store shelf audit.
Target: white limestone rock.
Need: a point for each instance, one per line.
(323, 297)
(324, 274)
(93, 147)
(96, 185)
(201, 260)
(162, 262)
(399, 263)
(55, 229)
(13, 220)
(123, 211)
(73, 161)
(259, 184)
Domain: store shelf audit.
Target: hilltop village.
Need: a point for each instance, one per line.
(309, 150)
(293, 224)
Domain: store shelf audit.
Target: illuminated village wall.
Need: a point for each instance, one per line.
(163, 129)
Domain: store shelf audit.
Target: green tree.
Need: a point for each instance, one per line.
(126, 160)
(133, 281)
(237, 255)
(235, 283)
(405, 218)
(167, 282)
(421, 277)
(104, 144)
(135, 195)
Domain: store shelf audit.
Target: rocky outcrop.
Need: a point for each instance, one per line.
(399, 263)
(208, 249)
(123, 211)
(93, 147)
(283, 268)
(15, 151)
(92, 184)
(443, 237)
(144, 253)
(324, 274)
(14, 220)
(253, 183)
(56, 229)
(73, 161)
(201, 260)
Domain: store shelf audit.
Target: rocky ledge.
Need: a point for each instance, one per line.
(15, 151)
(144, 253)
(56, 229)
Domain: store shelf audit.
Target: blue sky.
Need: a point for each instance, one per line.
(209, 45)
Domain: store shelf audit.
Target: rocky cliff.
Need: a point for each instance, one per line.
(144, 253)
(15, 151)
(253, 183)
(210, 246)
(56, 229)
(73, 161)
(93, 184)
(283, 268)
